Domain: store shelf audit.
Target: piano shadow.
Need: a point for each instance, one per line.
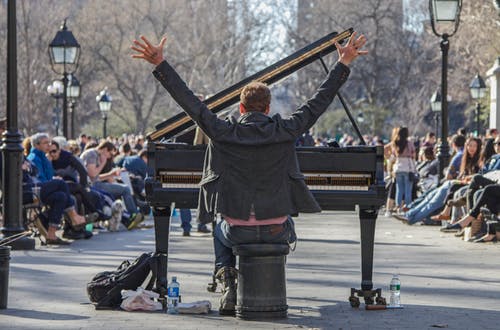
(329, 241)
(352, 242)
(402, 244)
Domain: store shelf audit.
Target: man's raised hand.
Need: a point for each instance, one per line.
(149, 52)
(351, 50)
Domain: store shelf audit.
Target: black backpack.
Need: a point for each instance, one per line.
(104, 290)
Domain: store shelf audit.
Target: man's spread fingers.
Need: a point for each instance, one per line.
(351, 39)
(361, 41)
(137, 49)
(162, 41)
(147, 42)
(140, 44)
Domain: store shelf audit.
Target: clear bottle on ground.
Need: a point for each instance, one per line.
(395, 288)
(173, 294)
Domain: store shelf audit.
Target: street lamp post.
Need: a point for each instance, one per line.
(436, 108)
(478, 91)
(56, 90)
(64, 53)
(12, 151)
(73, 94)
(104, 101)
(444, 11)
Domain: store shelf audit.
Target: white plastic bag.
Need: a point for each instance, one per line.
(140, 300)
(197, 307)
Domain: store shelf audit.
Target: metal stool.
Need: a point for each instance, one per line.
(261, 281)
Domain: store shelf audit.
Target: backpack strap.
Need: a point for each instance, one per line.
(153, 265)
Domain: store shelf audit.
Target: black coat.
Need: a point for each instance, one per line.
(252, 160)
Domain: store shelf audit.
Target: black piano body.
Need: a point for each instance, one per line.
(339, 178)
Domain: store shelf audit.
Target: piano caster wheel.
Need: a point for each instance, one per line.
(354, 301)
(369, 300)
(380, 301)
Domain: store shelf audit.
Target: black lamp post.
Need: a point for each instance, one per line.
(73, 94)
(56, 90)
(104, 101)
(478, 91)
(444, 11)
(64, 53)
(436, 108)
(12, 151)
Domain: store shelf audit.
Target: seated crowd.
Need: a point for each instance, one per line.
(469, 190)
(83, 181)
(78, 182)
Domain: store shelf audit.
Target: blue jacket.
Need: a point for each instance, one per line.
(44, 166)
(454, 167)
(492, 164)
(136, 165)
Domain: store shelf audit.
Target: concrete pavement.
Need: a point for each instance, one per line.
(445, 282)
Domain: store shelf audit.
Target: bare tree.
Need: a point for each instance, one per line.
(214, 44)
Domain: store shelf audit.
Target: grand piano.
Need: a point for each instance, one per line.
(340, 178)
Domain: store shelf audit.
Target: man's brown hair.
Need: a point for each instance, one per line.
(255, 96)
(106, 145)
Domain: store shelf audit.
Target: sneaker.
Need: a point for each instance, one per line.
(56, 241)
(451, 228)
(137, 218)
(204, 230)
(74, 234)
(126, 221)
(401, 217)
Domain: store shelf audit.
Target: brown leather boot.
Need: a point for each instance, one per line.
(227, 277)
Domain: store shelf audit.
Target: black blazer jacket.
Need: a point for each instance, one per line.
(251, 161)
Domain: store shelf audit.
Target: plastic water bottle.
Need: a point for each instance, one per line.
(173, 291)
(395, 288)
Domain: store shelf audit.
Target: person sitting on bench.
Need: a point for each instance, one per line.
(53, 192)
(251, 175)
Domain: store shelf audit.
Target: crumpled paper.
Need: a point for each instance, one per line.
(140, 300)
(197, 307)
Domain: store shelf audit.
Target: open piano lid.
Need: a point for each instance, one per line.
(180, 123)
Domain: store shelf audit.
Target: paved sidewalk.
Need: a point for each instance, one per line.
(445, 281)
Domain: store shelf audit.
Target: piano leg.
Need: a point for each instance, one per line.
(162, 230)
(367, 218)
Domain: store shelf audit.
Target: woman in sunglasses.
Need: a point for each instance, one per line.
(53, 192)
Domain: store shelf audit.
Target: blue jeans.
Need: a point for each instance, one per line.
(403, 187)
(55, 193)
(118, 190)
(226, 236)
(186, 220)
(432, 202)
